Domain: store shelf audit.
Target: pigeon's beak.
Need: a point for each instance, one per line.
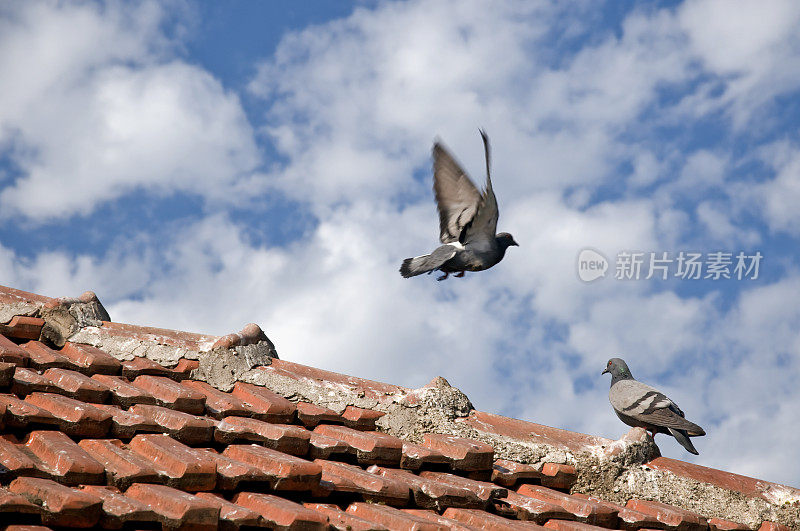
(514, 243)
(605, 370)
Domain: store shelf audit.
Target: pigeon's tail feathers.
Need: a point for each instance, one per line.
(412, 267)
(426, 263)
(683, 438)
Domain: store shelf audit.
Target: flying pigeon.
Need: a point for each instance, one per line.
(638, 404)
(467, 222)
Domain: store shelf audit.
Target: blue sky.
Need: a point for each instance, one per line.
(203, 165)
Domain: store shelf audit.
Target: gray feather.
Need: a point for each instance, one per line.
(426, 263)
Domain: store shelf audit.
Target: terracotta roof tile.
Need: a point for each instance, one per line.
(27, 381)
(123, 467)
(673, 517)
(183, 467)
(219, 404)
(436, 518)
(416, 457)
(466, 454)
(125, 424)
(171, 394)
(184, 427)
(120, 510)
(369, 447)
(23, 414)
(584, 510)
(563, 525)
(629, 519)
(350, 478)
(515, 505)
(282, 437)
(509, 473)
(342, 520)
(232, 472)
(15, 462)
(41, 357)
(10, 352)
(140, 366)
(22, 327)
(232, 516)
(361, 419)
(77, 385)
(263, 404)
(279, 513)
(15, 504)
(484, 520)
(718, 524)
(74, 416)
(124, 393)
(176, 508)
(61, 505)
(432, 493)
(288, 472)
(6, 374)
(312, 415)
(392, 518)
(90, 360)
(67, 462)
(324, 447)
(559, 476)
(772, 526)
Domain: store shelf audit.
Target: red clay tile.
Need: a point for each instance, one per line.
(189, 429)
(324, 447)
(232, 516)
(282, 437)
(361, 419)
(559, 476)
(416, 457)
(516, 505)
(10, 352)
(392, 518)
(263, 404)
(483, 490)
(27, 381)
(120, 510)
(76, 417)
(289, 472)
(124, 393)
(183, 467)
(753, 488)
(122, 466)
(563, 525)
(61, 505)
(529, 431)
(41, 357)
(436, 518)
(484, 520)
(370, 447)
(6, 374)
(718, 524)
(90, 360)
(175, 508)
(772, 526)
(66, 461)
(584, 510)
(15, 462)
(22, 414)
(467, 454)
(219, 404)
(28, 528)
(77, 385)
(19, 298)
(431, 493)
(125, 424)
(232, 472)
(183, 370)
(13, 505)
(629, 519)
(312, 415)
(23, 327)
(140, 366)
(509, 473)
(342, 520)
(350, 478)
(171, 394)
(673, 517)
(280, 514)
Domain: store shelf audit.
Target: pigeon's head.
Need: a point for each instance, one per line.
(618, 368)
(505, 240)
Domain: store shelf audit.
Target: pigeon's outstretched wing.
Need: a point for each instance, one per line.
(465, 214)
(650, 406)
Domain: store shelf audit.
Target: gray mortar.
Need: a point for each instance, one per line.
(222, 367)
(65, 320)
(127, 348)
(9, 310)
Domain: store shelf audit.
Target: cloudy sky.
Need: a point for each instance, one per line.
(205, 165)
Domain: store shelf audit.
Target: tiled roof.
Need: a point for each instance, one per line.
(111, 425)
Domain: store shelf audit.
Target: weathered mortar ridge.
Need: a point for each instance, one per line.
(125, 348)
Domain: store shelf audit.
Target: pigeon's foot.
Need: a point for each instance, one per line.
(460, 274)
(443, 277)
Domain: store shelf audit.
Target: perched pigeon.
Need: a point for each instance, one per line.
(467, 222)
(638, 404)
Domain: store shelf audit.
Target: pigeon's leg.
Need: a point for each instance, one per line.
(442, 277)
(460, 274)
